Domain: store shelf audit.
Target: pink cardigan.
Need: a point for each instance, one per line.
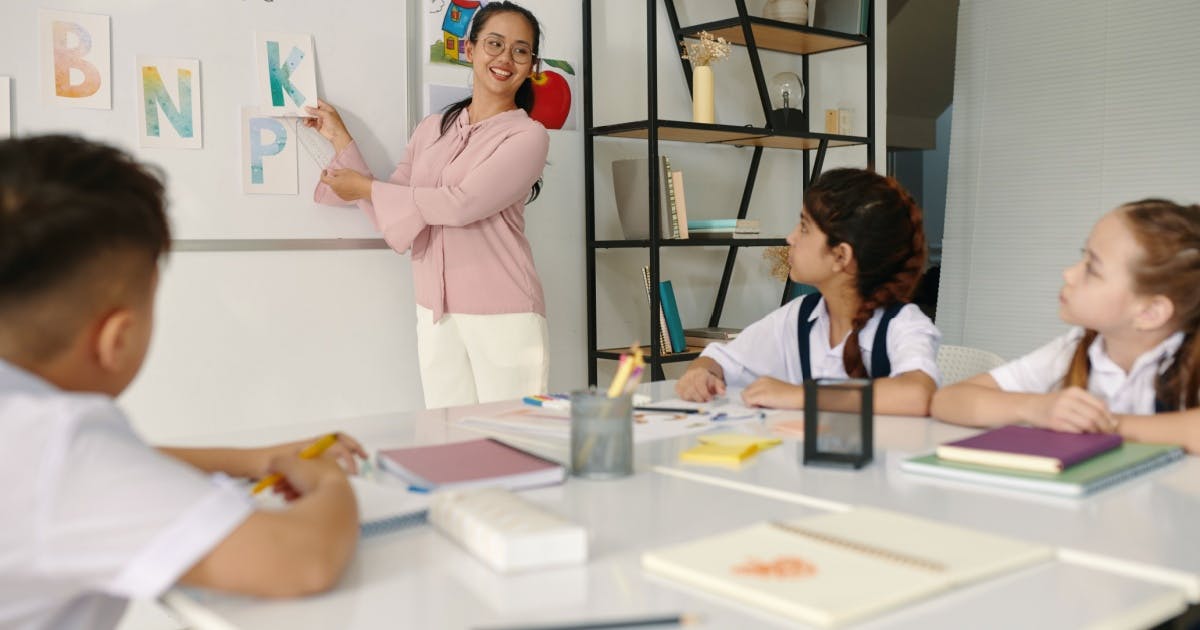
(458, 203)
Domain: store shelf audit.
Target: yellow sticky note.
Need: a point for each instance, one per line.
(743, 440)
(717, 454)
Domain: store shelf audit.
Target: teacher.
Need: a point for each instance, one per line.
(457, 201)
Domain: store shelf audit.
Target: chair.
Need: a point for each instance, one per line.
(959, 363)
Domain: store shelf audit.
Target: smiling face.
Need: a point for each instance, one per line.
(1098, 290)
(502, 55)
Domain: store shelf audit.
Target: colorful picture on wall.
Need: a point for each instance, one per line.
(447, 26)
(169, 104)
(268, 153)
(5, 107)
(75, 63)
(287, 72)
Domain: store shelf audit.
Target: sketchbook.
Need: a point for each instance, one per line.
(384, 508)
(834, 569)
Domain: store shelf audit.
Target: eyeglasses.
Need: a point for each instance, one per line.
(521, 53)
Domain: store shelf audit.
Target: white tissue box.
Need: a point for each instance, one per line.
(507, 532)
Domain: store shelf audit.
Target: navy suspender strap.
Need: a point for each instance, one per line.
(880, 364)
(803, 328)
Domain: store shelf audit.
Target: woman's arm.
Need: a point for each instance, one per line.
(1180, 427)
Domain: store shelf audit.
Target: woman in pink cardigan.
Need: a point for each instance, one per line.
(457, 201)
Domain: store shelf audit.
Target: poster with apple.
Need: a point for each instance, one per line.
(446, 27)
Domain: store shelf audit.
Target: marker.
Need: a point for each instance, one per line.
(311, 451)
(669, 409)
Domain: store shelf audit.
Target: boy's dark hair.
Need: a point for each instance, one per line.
(524, 95)
(884, 226)
(68, 206)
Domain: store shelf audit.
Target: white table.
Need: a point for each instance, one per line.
(419, 579)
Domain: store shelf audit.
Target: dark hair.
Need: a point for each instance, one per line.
(1169, 265)
(883, 225)
(64, 203)
(524, 96)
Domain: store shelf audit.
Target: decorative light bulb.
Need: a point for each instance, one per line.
(787, 91)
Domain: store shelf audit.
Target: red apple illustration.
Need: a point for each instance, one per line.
(551, 99)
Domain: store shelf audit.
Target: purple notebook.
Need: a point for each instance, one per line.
(1028, 448)
(485, 462)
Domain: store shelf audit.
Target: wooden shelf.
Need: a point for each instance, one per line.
(693, 242)
(674, 357)
(780, 36)
(684, 131)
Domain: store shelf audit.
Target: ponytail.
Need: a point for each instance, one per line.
(1081, 366)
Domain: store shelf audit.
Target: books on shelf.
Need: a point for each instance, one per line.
(475, 463)
(713, 332)
(631, 187)
(838, 568)
(843, 16)
(725, 225)
(664, 340)
(1028, 448)
(671, 313)
(1124, 462)
(679, 226)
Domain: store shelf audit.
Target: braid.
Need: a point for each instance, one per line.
(1178, 386)
(884, 227)
(1081, 366)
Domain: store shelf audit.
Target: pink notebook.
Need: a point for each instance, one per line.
(485, 462)
(1028, 448)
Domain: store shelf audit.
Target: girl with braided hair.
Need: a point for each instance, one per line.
(1131, 363)
(861, 243)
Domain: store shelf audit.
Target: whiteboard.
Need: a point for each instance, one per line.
(362, 68)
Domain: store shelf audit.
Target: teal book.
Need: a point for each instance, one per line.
(674, 325)
(712, 224)
(1129, 460)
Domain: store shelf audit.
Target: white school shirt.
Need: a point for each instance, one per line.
(1042, 371)
(770, 346)
(90, 516)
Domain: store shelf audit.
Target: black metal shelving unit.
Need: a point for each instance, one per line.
(753, 33)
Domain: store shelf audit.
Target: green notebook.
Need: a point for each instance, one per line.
(1128, 460)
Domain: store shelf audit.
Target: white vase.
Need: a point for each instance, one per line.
(703, 95)
(795, 11)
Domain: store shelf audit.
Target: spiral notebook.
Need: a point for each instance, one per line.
(384, 508)
(834, 569)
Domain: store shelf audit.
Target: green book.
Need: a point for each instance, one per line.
(1128, 460)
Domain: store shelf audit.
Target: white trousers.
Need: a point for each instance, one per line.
(468, 359)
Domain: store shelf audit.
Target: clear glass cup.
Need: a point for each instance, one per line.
(601, 435)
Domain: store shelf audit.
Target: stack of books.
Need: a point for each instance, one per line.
(1043, 461)
(700, 337)
(723, 228)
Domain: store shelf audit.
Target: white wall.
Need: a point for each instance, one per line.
(270, 338)
(1063, 109)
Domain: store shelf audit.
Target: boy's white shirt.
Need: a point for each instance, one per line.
(92, 516)
(770, 346)
(1042, 371)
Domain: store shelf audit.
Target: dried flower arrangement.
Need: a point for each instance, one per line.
(705, 51)
(778, 257)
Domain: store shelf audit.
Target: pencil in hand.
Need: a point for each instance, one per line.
(311, 451)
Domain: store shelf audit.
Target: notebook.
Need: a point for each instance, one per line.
(384, 508)
(484, 462)
(1128, 460)
(1028, 448)
(834, 569)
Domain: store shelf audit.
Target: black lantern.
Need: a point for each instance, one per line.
(838, 423)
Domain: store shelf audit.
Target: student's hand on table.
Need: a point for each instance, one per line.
(774, 393)
(328, 122)
(343, 451)
(348, 184)
(1073, 410)
(301, 476)
(699, 385)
